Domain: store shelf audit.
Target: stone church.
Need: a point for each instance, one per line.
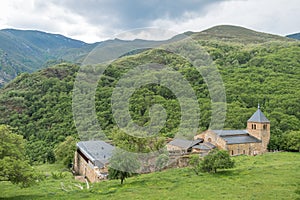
(251, 141)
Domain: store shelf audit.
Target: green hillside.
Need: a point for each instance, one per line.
(28, 51)
(237, 34)
(269, 176)
(9, 68)
(43, 40)
(40, 104)
(255, 68)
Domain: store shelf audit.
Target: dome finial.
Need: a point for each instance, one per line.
(258, 106)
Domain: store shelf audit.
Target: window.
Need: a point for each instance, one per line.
(209, 139)
(231, 152)
(265, 126)
(244, 152)
(254, 126)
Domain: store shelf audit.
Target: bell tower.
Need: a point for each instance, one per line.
(259, 126)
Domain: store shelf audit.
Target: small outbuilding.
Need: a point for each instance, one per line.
(92, 158)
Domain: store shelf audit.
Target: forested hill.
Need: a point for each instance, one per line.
(40, 104)
(29, 51)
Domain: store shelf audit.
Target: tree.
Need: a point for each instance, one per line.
(292, 141)
(129, 142)
(195, 163)
(39, 151)
(13, 164)
(216, 159)
(139, 143)
(64, 152)
(122, 165)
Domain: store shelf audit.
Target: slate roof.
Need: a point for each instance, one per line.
(236, 136)
(99, 152)
(209, 145)
(241, 139)
(204, 146)
(258, 116)
(230, 132)
(185, 144)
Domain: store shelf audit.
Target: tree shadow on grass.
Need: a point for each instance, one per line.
(231, 172)
(20, 197)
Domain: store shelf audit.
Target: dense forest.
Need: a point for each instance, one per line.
(39, 105)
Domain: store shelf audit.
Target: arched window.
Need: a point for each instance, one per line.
(209, 139)
(254, 126)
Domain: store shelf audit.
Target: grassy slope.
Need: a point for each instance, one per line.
(270, 176)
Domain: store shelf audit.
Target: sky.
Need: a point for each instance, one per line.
(98, 20)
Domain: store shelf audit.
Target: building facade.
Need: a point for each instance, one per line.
(251, 141)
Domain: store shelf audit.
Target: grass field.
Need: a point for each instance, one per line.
(270, 176)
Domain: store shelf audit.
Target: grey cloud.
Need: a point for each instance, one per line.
(133, 13)
(92, 20)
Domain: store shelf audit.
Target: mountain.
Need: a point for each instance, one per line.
(41, 40)
(294, 36)
(28, 51)
(238, 34)
(253, 70)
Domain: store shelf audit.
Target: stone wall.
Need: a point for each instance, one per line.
(175, 149)
(79, 164)
(85, 167)
(247, 149)
(261, 131)
(209, 136)
(178, 161)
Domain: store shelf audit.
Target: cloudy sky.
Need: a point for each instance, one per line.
(97, 20)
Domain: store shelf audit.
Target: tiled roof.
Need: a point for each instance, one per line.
(98, 151)
(258, 116)
(185, 144)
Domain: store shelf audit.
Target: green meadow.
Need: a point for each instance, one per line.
(269, 176)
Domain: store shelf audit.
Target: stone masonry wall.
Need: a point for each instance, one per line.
(261, 132)
(247, 149)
